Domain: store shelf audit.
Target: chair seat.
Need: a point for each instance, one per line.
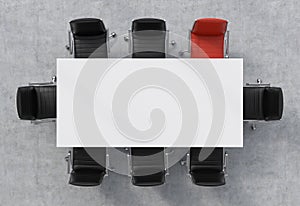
(253, 103)
(149, 180)
(46, 102)
(86, 178)
(208, 178)
(81, 165)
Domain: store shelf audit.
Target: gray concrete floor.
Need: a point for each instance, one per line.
(264, 172)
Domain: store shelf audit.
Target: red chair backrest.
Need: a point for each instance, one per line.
(207, 38)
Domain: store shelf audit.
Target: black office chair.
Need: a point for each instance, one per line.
(262, 102)
(87, 171)
(148, 38)
(209, 172)
(37, 102)
(147, 166)
(89, 38)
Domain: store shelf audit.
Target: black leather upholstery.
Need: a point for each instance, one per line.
(148, 24)
(90, 38)
(86, 179)
(85, 170)
(36, 102)
(253, 102)
(26, 103)
(263, 103)
(46, 102)
(90, 41)
(149, 180)
(148, 166)
(273, 103)
(149, 38)
(87, 27)
(208, 172)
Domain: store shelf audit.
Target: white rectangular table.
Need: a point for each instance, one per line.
(149, 102)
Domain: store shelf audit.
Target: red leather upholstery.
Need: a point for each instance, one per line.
(207, 38)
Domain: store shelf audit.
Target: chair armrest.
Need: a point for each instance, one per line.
(188, 162)
(259, 83)
(227, 44)
(182, 52)
(52, 82)
(129, 162)
(40, 121)
(166, 158)
(225, 163)
(107, 163)
(68, 160)
(69, 46)
(128, 40)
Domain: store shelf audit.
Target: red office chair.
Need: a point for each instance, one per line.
(207, 41)
(207, 38)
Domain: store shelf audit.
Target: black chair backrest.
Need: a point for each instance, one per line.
(263, 103)
(87, 171)
(148, 38)
(273, 103)
(148, 166)
(90, 38)
(36, 102)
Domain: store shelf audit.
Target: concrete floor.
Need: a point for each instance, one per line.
(264, 172)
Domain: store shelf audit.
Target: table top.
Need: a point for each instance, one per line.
(149, 102)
